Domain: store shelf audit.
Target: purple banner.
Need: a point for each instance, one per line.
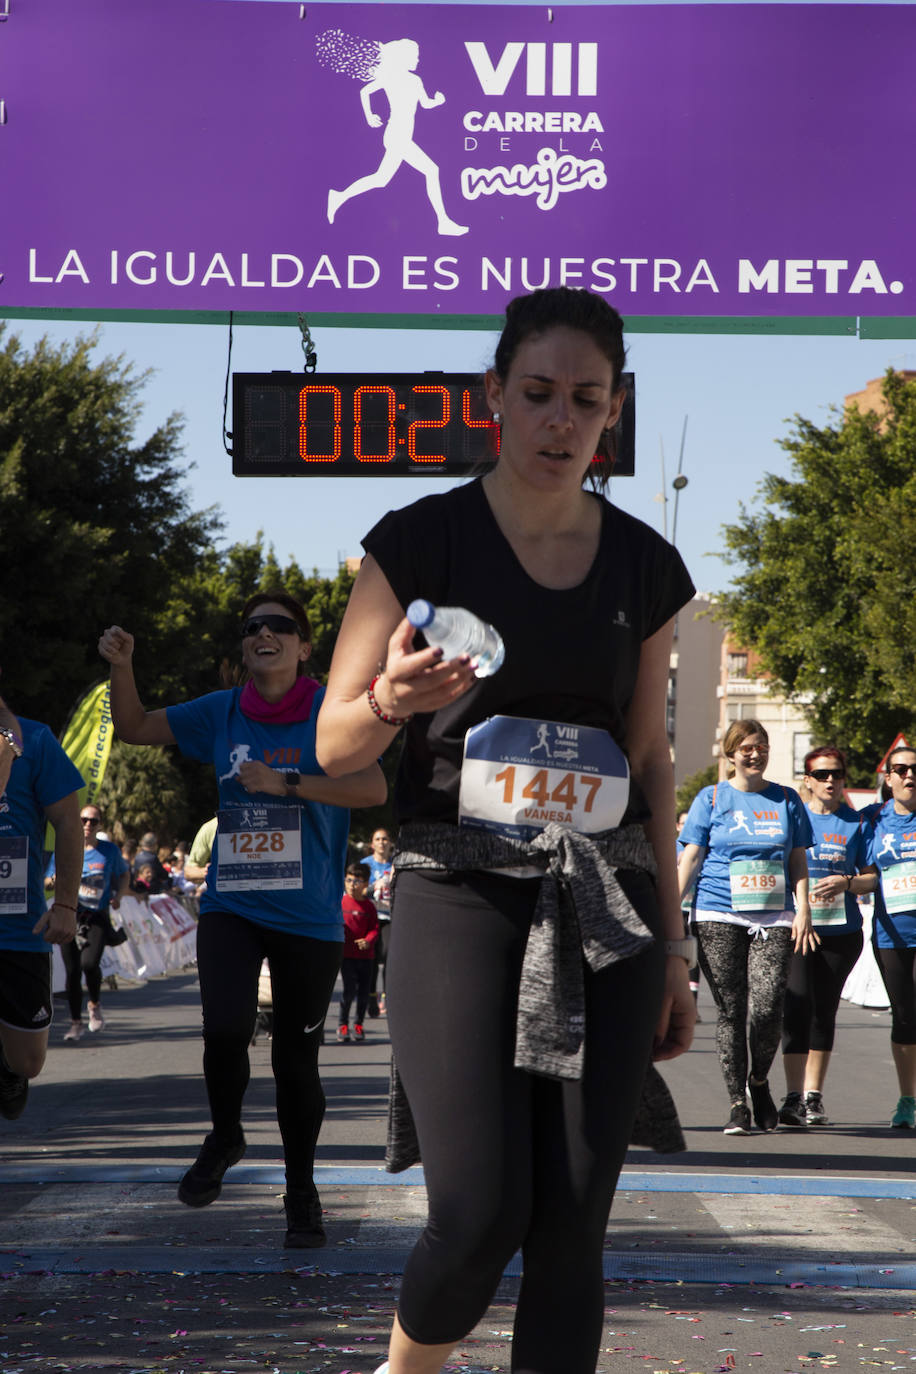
(433, 160)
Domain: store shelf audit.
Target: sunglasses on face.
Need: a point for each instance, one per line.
(749, 750)
(901, 769)
(822, 774)
(90, 820)
(278, 624)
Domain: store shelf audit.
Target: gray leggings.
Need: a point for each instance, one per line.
(745, 972)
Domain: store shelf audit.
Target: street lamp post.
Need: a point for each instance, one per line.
(679, 482)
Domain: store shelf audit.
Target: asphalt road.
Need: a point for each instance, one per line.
(781, 1252)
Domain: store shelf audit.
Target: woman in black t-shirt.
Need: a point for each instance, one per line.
(528, 980)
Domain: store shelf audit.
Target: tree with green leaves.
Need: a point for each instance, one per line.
(825, 595)
(95, 528)
(693, 785)
(143, 789)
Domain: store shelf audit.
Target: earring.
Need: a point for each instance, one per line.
(497, 418)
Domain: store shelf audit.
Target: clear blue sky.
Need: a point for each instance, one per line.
(738, 394)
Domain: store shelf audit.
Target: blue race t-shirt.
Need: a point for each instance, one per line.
(277, 861)
(748, 837)
(840, 846)
(892, 846)
(103, 865)
(378, 868)
(44, 775)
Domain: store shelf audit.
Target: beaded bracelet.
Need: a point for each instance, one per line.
(396, 721)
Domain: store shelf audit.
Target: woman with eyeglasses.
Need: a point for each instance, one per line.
(893, 850)
(744, 843)
(838, 874)
(273, 888)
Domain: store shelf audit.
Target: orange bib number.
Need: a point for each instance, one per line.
(520, 775)
(259, 849)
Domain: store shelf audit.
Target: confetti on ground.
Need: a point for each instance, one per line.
(315, 1321)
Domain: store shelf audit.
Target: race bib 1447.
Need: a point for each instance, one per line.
(520, 775)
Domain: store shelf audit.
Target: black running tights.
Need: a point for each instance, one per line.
(814, 989)
(302, 974)
(86, 961)
(511, 1160)
(898, 969)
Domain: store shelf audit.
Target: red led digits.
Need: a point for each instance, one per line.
(304, 422)
(478, 424)
(441, 391)
(358, 395)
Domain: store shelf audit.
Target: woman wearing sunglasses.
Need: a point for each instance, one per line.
(838, 875)
(893, 850)
(746, 839)
(273, 887)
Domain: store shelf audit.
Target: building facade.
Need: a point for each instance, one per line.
(744, 694)
(693, 678)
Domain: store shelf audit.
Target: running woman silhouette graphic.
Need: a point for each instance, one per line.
(393, 72)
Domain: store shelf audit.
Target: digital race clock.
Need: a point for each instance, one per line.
(429, 424)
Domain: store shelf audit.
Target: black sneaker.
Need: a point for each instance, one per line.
(203, 1182)
(739, 1123)
(304, 1230)
(792, 1113)
(14, 1091)
(765, 1113)
(373, 1005)
(814, 1110)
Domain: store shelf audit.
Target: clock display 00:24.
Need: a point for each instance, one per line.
(365, 425)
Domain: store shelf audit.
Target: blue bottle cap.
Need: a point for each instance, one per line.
(420, 613)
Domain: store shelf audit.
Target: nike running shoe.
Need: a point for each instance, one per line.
(14, 1091)
(814, 1110)
(765, 1113)
(739, 1123)
(792, 1113)
(343, 1035)
(904, 1117)
(358, 1033)
(304, 1230)
(203, 1182)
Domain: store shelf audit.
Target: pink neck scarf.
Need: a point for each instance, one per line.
(296, 705)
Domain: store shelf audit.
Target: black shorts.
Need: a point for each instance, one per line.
(25, 989)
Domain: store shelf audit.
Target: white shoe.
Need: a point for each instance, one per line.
(76, 1031)
(96, 1019)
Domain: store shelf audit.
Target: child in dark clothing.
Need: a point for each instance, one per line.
(360, 935)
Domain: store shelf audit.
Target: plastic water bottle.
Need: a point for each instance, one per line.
(456, 631)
